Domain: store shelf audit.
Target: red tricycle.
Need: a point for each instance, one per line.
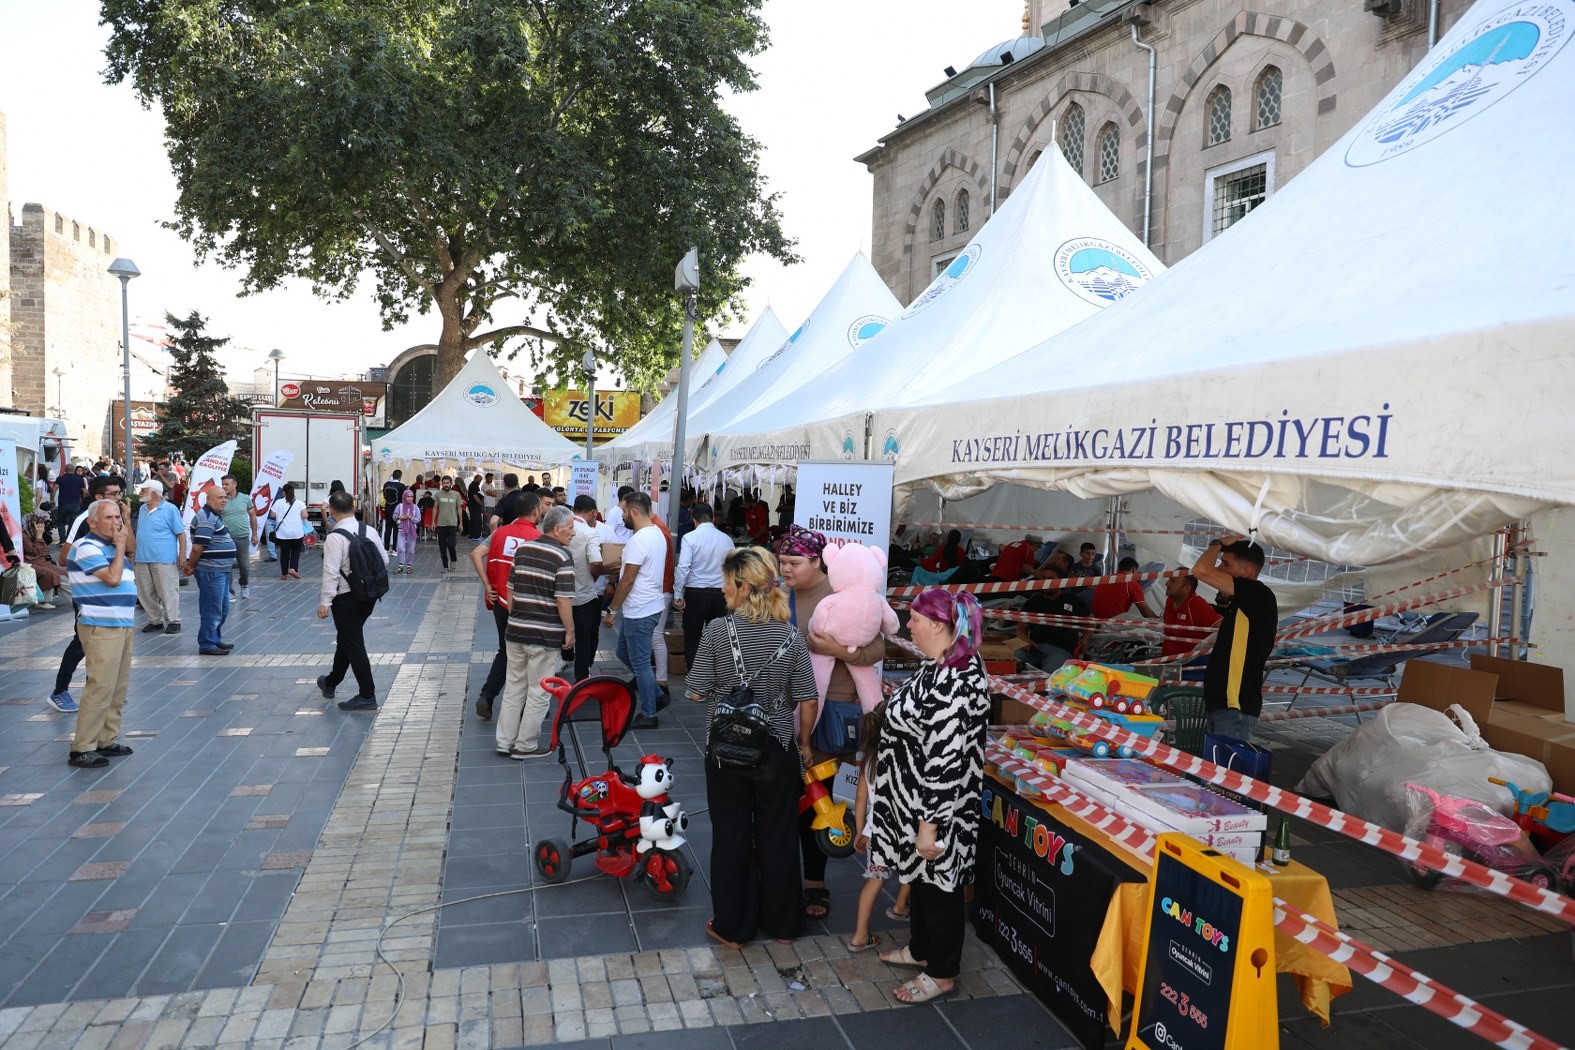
(638, 828)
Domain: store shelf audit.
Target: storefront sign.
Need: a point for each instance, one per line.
(144, 421)
(565, 411)
(848, 502)
(1041, 892)
(338, 395)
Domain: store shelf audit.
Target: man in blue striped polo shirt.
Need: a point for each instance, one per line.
(104, 589)
(211, 559)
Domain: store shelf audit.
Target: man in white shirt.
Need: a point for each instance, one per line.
(621, 532)
(640, 601)
(586, 549)
(350, 613)
(698, 581)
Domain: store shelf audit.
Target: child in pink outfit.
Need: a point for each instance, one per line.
(408, 516)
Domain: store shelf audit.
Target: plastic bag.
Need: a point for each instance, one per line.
(1367, 772)
(1474, 830)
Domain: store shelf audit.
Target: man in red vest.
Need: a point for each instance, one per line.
(493, 560)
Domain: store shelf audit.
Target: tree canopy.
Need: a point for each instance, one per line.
(201, 413)
(465, 154)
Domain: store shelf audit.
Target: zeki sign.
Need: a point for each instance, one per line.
(846, 502)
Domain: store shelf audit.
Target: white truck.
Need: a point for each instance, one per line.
(327, 447)
(40, 441)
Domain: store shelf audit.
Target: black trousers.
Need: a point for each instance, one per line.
(69, 660)
(587, 637)
(447, 537)
(289, 554)
(350, 615)
(814, 857)
(937, 920)
(493, 686)
(755, 884)
(477, 524)
(701, 606)
(390, 529)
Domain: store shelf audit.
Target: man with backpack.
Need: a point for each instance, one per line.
(393, 495)
(355, 576)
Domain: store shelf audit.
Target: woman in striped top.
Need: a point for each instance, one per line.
(755, 875)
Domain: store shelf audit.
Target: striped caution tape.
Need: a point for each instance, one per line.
(1291, 713)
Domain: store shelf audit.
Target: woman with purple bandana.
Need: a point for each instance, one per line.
(804, 578)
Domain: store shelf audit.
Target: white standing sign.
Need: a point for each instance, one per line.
(847, 502)
(11, 497)
(211, 466)
(582, 479)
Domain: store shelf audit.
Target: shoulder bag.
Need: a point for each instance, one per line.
(740, 726)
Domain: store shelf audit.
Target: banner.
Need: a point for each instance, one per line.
(11, 496)
(337, 395)
(269, 480)
(582, 480)
(847, 502)
(210, 467)
(564, 411)
(145, 420)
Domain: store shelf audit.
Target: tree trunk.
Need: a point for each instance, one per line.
(451, 343)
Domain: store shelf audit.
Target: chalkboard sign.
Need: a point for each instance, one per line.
(1208, 970)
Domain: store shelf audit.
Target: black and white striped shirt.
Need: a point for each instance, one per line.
(715, 673)
(543, 572)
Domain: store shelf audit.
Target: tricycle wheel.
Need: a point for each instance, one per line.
(553, 859)
(664, 874)
(1426, 878)
(835, 842)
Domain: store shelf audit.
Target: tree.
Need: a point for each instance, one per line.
(551, 159)
(201, 413)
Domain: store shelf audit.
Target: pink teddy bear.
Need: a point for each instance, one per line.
(853, 615)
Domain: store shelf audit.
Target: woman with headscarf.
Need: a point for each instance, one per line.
(928, 774)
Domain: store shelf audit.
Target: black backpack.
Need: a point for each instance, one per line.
(740, 731)
(365, 568)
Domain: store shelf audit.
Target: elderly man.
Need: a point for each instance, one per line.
(161, 548)
(211, 559)
(541, 624)
(493, 560)
(104, 589)
(240, 517)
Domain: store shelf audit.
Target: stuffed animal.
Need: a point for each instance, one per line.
(662, 821)
(854, 614)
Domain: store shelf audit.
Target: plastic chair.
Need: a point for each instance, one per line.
(1184, 705)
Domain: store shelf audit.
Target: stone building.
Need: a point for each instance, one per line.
(1243, 95)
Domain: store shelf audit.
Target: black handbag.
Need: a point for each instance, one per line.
(740, 726)
(837, 732)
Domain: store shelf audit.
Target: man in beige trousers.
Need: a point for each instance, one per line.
(161, 547)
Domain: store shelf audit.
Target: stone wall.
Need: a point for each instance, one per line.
(1334, 63)
(66, 308)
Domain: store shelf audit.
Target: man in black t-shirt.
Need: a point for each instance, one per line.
(1049, 646)
(1233, 679)
(393, 495)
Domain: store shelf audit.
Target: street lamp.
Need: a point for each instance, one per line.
(125, 270)
(60, 384)
(276, 355)
(588, 369)
(686, 279)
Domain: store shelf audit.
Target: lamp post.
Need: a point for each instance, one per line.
(125, 270)
(686, 279)
(588, 369)
(60, 385)
(276, 355)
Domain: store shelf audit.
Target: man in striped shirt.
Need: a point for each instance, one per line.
(104, 589)
(212, 557)
(541, 624)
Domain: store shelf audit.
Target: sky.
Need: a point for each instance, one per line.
(834, 79)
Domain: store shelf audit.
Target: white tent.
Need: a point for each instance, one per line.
(1338, 362)
(474, 423)
(1049, 257)
(759, 343)
(856, 308)
(652, 436)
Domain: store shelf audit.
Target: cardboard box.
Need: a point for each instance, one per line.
(1004, 711)
(1435, 685)
(612, 557)
(1524, 688)
(1526, 736)
(998, 651)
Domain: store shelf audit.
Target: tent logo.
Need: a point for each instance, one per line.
(849, 447)
(865, 329)
(385, 455)
(947, 279)
(889, 448)
(481, 395)
(1503, 52)
(784, 347)
(1098, 271)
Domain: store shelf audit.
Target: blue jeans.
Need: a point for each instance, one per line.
(1043, 655)
(213, 599)
(634, 649)
(1230, 722)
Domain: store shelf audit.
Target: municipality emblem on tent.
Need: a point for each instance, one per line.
(1098, 271)
(386, 455)
(481, 395)
(1501, 53)
(849, 449)
(889, 448)
(865, 329)
(784, 347)
(947, 279)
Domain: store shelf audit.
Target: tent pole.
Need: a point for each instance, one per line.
(1496, 609)
(1112, 526)
(1518, 590)
(869, 433)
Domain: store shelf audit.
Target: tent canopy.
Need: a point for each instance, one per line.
(1336, 367)
(474, 423)
(657, 425)
(995, 300)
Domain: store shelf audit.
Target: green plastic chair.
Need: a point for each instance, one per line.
(1183, 704)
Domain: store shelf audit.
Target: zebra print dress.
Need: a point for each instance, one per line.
(929, 767)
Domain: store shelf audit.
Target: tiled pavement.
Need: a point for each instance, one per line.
(237, 878)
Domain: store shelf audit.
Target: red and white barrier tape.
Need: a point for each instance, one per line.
(1290, 713)
(1328, 690)
(1427, 579)
(1341, 651)
(1330, 623)
(1015, 586)
(1407, 983)
(1042, 530)
(1133, 836)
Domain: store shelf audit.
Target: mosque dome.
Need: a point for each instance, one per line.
(1020, 48)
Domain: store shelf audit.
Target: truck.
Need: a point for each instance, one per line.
(327, 447)
(40, 442)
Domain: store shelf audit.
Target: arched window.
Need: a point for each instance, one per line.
(938, 221)
(1219, 116)
(1072, 137)
(1271, 84)
(1109, 152)
(962, 211)
(1034, 157)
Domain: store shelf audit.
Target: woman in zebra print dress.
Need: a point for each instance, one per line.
(928, 772)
